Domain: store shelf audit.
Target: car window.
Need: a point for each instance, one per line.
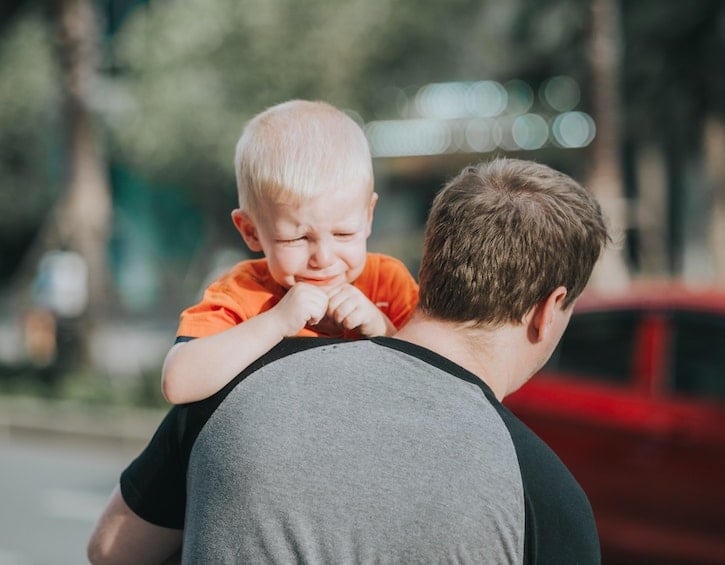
(597, 345)
(699, 354)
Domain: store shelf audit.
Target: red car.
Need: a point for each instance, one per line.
(633, 401)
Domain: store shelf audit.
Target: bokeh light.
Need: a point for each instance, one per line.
(483, 116)
(398, 138)
(573, 129)
(530, 131)
(560, 93)
(441, 100)
(482, 135)
(486, 98)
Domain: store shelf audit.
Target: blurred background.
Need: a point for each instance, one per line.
(118, 120)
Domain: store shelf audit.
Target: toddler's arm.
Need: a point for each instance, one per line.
(196, 369)
(350, 308)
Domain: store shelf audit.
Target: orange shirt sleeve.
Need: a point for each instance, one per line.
(239, 294)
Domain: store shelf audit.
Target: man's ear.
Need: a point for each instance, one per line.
(540, 319)
(371, 210)
(246, 228)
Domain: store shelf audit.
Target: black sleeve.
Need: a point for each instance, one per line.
(560, 526)
(154, 484)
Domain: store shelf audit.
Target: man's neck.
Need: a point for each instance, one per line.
(490, 354)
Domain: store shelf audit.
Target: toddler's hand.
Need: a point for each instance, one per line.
(302, 304)
(350, 308)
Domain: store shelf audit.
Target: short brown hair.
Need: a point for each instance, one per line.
(501, 236)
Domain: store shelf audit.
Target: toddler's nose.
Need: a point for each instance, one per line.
(321, 255)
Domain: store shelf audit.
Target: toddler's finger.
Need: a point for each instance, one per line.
(334, 291)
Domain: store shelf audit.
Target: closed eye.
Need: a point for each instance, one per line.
(291, 240)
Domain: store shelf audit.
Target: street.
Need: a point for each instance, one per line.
(51, 492)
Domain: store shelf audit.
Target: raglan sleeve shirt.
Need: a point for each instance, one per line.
(557, 523)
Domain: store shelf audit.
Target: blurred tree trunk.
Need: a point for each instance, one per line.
(605, 175)
(83, 215)
(652, 212)
(715, 171)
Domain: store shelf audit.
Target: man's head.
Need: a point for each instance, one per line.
(502, 236)
(306, 200)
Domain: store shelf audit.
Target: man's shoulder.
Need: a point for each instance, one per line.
(292, 345)
(195, 415)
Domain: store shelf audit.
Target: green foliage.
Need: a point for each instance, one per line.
(29, 125)
(85, 387)
(189, 74)
(181, 77)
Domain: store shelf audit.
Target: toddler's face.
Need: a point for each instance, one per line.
(322, 241)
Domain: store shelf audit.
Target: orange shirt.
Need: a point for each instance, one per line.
(248, 289)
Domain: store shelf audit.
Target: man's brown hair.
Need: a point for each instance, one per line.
(501, 236)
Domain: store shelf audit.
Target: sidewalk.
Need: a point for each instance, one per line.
(109, 427)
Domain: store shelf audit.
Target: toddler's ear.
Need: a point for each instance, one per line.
(371, 210)
(246, 228)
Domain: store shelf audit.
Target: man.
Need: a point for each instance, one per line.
(391, 450)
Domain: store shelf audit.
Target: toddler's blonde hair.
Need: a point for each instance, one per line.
(299, 149)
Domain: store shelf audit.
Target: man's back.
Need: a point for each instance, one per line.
(315, 459)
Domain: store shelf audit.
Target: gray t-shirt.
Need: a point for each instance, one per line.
(372, 451)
